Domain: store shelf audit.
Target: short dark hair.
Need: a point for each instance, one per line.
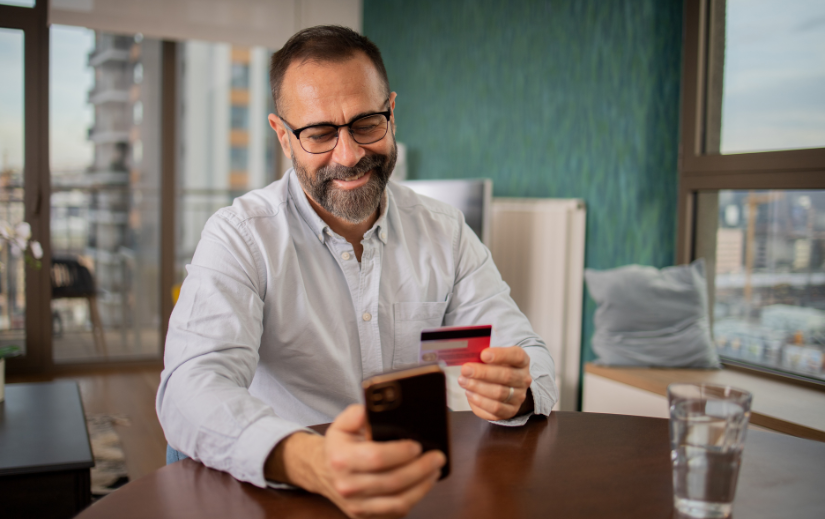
(330, 43)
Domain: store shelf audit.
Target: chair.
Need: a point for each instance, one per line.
(70, 279)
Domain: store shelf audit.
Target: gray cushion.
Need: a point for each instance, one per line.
(652, 317)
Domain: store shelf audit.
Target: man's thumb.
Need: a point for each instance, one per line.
(352, 420)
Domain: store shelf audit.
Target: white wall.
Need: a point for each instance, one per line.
(602, 395)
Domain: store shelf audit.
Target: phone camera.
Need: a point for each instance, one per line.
(384, 397)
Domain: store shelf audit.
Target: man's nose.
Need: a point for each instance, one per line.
(347, 152)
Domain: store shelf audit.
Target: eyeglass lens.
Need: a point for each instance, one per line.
(367, 130)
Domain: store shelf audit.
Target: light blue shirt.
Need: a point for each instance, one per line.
(277, 322)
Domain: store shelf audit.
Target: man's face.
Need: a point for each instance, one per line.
(348, 181)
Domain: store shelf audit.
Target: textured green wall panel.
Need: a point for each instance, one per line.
(566, 98)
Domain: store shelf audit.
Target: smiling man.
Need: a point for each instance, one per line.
(300, 290)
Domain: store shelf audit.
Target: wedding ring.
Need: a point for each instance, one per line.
(510, 395)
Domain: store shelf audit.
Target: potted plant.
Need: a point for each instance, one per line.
(18, 238)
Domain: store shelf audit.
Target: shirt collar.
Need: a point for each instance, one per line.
(306, 211)
(319, 227)
(380, 226)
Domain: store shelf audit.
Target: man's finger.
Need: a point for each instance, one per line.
(512, 356)
(481, 413)
(394, 481)
(488, 390)
(496, 408)
(378, 456)
(502, 375)
(397, 505)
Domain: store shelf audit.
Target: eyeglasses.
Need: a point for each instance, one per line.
(322, 138)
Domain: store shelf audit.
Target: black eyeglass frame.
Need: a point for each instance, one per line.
(387, 115)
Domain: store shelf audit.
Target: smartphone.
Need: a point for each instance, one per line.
(410, 404)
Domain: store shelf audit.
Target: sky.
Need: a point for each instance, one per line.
(70, 114)
(774, 81)
(11, 99)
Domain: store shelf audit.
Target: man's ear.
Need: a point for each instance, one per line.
(393, 95)
(283, 134)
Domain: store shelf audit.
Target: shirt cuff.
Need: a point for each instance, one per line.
(276, 485)
(539, 407)
(253, 446)
(544, 391)
(516, 421)
(544, 399)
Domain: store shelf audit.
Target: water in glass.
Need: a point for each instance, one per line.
(707, 448)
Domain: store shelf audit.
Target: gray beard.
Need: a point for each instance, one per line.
(355, 205)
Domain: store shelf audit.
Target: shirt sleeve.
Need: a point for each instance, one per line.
(480, 296)
(211, 355)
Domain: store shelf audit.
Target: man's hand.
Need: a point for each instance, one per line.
(488, 385)
(363, 478)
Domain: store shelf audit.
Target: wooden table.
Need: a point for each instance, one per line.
(45, 454)
(570, 465)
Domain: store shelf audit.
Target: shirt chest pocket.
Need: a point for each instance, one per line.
(409, 319)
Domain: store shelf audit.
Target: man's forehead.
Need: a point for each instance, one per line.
(312, 88)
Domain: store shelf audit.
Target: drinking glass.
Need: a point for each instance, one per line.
(707, 432)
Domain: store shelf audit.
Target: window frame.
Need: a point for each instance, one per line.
(38, 359)
(37, 185)
(700, 170)
(33, 22)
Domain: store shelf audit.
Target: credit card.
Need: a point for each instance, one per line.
(455, 345)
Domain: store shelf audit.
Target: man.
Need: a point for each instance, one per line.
(302, 289)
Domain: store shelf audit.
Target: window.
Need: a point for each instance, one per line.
(773, 76)
(752, 178)
(137, 112)
(140, 131)
(239, 117)
(227, 146)
(240, 76)
(12, 265)
(238, 159)
(24, 288)
(768, 273)
(105, 177)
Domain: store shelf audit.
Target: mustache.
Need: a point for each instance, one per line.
(339, 172)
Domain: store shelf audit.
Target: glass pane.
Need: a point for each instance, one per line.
(769, 295)
(227, 146)
(18, 3)
(774, 75)
(12, 264)
(105, 210)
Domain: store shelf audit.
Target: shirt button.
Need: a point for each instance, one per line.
(383, 236)
(321, 237)
(345, 256)
(366, 316)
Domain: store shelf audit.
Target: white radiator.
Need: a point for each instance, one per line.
(538, 246)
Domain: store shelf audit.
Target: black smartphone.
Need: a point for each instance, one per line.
(410, 404)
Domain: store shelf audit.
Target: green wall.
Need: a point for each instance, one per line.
(565, 98)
